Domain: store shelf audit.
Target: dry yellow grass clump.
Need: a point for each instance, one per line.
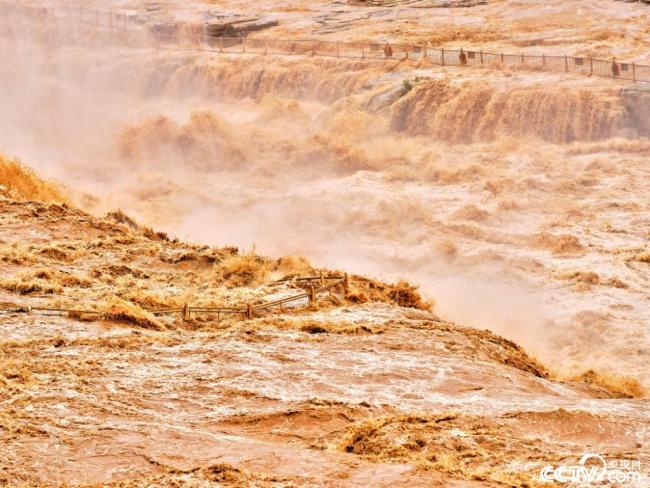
(21, 182)
(401, 293)
(42, 281)
(244, 270)
(618, 386)
(26, 286)
(252, 270)
(121, 311)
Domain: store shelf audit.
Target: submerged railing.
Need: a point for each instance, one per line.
(314, 286)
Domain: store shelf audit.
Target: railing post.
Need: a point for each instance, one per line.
(523, 60)
(543, 59)
(346, 284)
(633, 71)
(503, 58)
(312, 296)
(481, 55)
(186, 312)
(249, 311)
(591, 66)
(322, 279)
(424, 52)
(442, 56)
(566, 64)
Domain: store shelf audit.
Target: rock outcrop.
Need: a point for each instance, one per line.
(636, 100)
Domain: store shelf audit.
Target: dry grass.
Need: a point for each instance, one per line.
(249, 270)
(407, 295)
(153, 299)
(26, 286)
(60, 279)
(618, 386)
(22, 183)
(16, 254)
(121, 218)
(245, 270)
(290, 266)
(128, 313)
(363, 290)
(46, 281)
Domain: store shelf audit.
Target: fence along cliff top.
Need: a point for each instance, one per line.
(629, 71)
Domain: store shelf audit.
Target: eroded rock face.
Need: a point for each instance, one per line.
(387, 97)
(237, 27)
(636, 100)
(221, 26)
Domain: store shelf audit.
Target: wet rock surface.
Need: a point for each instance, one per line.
(637, 103)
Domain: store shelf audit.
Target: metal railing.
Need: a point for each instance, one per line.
(326, 284)
(171, 38)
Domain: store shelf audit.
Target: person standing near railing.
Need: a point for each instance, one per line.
(616, 69)
(462, 58)
(388, 51)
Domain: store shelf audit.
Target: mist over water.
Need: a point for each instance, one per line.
(495, 193)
